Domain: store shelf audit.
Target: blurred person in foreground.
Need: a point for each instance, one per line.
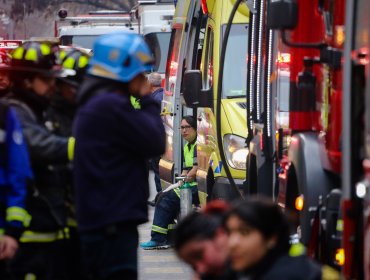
(259, 244)
(201, 241)
(117, 129)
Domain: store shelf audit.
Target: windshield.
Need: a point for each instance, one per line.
(235, 65)
(158, 44)
(82, 41)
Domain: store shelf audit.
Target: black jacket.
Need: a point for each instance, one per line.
(60, 115)
(45, 202)
(113, 142)
(282, 266)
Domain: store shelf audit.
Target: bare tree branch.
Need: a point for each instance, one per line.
(82, 2)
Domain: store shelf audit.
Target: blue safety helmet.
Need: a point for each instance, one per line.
(120, 56)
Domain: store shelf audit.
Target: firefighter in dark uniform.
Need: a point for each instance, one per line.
(60, 117)
(34, 68)
(115, 134)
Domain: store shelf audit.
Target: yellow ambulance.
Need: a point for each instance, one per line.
(191, 83)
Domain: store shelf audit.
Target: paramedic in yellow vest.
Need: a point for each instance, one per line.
(168, 205)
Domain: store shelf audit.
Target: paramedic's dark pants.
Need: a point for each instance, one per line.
(166, 211)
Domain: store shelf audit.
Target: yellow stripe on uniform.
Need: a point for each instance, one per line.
(71, 222)
(177, 192)
(135, 102)
(159, 229)
(71, 148)
(30, 276)
(171, 226)
(32, 236)
(15, 213)
(339, 225)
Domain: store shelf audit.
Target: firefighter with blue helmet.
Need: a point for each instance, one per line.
(33, 70)
(117, 129)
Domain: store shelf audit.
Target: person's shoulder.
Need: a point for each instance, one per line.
(108, 100)
(22, 110)
(300, 267)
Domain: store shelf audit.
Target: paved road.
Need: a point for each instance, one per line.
(159, 264)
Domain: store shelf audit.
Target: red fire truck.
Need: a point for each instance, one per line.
(308, 114)
(355, 251)
(9, 45)
(295, 114)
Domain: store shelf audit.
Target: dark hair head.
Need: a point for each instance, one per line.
(265, 216)
(19, 79)
(191, 121)
(200, 225)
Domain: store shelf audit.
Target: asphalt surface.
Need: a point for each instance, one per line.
(159, 264)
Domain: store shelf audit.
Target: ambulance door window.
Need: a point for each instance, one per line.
(208, 62)
(172, 60)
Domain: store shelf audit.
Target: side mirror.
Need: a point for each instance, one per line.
(282, 14)
(191, 87)
(192, 91)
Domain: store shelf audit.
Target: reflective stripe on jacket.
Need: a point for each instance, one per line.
(33, 236)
